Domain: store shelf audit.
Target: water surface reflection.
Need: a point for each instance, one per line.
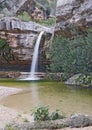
(54, 94)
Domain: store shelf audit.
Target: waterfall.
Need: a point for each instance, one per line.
(35, 57)
(34, 63)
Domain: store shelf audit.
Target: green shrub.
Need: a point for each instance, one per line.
(9, 127)
(55, 115)
(24, 16)
(41, 113)
(71, 56)
(84, 80)
(5, 50)
(47, 22)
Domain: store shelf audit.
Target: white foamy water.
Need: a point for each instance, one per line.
(32, 75)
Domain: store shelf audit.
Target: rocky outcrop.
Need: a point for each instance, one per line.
(10, 7)
(21, 37)
(22, 44)
(12, 23)
(75, 121)
(73, 12)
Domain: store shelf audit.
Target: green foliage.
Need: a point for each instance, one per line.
(1, 7)
(2, 42)
(41, 113)
(9, 127)
(72, 55)
(84, 80)
(24, 16)
(5, 50)
(56, 50)
(25, 120)
(47, 22)
(55, 115)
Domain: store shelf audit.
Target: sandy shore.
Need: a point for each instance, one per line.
(8, 115)
(6, 91)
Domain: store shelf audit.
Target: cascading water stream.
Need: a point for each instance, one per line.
(32, 75)
(35, 57)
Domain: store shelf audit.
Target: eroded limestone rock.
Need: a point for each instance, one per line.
(70, 12)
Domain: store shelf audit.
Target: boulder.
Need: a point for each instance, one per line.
(79, 120)
(75, 121)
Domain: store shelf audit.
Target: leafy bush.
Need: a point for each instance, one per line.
(9, 127)
(24, 16)
(47, 22)
(84, 80)
(5, 50)
(73, 55)
(55, 115)
(41, 113)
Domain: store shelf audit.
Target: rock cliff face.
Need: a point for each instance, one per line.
(73, 12)
(21, 37)
(13, 23)
(10, 7)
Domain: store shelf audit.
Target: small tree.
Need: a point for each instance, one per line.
(71, 55)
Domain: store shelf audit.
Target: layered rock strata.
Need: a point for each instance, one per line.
(73, 12)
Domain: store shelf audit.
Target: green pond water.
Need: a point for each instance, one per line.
(56, 95)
